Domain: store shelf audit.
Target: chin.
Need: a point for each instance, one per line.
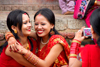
(40, 35)
(27, 34)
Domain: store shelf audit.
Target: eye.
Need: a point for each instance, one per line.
(25, 22)
(36, 23)
(43, 24)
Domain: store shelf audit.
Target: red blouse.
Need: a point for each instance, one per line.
(7, 61)
(90, 56)
(63, 57)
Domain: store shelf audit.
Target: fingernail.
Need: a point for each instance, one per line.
(14, 51)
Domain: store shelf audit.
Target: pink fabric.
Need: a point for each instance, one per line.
(87, 18)
(66, 5)
(76, 9)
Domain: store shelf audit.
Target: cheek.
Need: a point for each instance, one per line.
(23, 28)
(35, 27)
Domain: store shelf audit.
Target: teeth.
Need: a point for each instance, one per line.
(40, 31)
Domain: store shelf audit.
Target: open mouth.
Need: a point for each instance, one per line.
(40, 32)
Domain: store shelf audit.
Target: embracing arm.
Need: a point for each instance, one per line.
(19, 58)
(47, 62)
(11, 40)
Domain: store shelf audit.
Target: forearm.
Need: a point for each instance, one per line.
(74, 51)
(19, 58)
(24, 62)
(35, 60)
(75, 62)
(47, 62)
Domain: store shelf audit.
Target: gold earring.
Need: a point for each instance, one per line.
(15, 31)
(52, 32)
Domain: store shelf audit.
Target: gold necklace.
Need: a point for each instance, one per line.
(27, 47)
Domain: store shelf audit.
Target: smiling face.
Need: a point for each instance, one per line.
(26, 26)
(42, 26)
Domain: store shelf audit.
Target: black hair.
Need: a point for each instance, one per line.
(47, 13)
(15, 18)
(95, 22)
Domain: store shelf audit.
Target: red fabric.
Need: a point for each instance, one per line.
(90, 56)
(63, 58)
(7, 61)
(74, 48)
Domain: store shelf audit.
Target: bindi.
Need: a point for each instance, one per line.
(39, 14)
(24, 13)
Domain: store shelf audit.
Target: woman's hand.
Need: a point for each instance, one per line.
(18, 48)
(11, 42)
(79, 36)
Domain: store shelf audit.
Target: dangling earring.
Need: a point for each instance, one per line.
(15, 31)
(52, 32)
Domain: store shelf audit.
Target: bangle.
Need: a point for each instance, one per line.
(73, 56)
(31, 57)
(77, 41)
(8, 35)
(95, 3)
(36, 62)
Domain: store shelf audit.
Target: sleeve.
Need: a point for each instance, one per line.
(59, 39)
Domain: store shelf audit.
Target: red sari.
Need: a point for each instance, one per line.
(90, 55)
(63, 57)
(7, 61)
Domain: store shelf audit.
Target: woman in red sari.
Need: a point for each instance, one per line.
(52, 50)
(89, 55)
(18, 23)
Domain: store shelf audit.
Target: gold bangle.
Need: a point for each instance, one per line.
(76, 41)
(8, 35)
(73, 55)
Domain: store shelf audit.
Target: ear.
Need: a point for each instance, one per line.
(92, 31)
(52, 25)
(13, 27)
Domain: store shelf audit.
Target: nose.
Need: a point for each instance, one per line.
(39, 26)
(29, 24)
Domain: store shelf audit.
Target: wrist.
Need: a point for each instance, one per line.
(8, 35)
(76, 41)
(75, 48)
(24, 51)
